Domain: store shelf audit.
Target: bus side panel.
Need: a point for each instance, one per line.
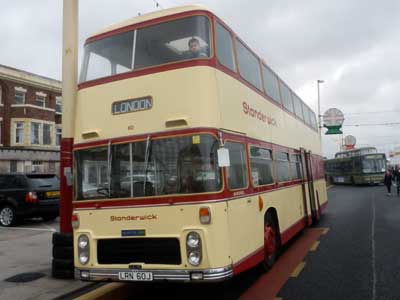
(246, 222)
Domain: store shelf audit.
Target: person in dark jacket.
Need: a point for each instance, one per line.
(396, 178)
(388, 181)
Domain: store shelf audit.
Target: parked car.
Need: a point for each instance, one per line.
(28, 195)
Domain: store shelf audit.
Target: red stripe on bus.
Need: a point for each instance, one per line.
(249, 261)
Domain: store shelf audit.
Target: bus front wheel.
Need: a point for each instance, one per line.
(271, 241)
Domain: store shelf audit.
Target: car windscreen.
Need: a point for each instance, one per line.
(44, 181)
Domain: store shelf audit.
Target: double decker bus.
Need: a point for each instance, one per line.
(359, 166)
(189, 164)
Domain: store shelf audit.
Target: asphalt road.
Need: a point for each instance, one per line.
(360, 256)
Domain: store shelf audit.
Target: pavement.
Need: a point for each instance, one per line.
(27, 248)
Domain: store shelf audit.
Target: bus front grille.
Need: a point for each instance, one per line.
(164, 251)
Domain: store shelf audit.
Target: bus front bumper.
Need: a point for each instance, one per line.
(206, 275)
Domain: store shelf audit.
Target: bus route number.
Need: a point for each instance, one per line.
(135, 276)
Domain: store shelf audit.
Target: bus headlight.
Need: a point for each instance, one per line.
(83, 257)
(194, 258)
(193, 240)
(83, 249)
(83, 241)
(193, 248)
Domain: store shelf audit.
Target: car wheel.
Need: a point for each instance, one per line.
(8, 216)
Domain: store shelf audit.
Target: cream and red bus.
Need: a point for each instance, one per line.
(189, 164)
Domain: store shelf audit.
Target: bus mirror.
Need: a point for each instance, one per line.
(223, 157)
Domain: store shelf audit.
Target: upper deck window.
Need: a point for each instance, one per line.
(271, 84)
(249, 66)
(224, 47)
(286, 97)
(183, 39)
(298, 109)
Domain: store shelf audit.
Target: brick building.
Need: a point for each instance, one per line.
(30, 122)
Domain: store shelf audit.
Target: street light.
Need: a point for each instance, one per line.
(319, 107)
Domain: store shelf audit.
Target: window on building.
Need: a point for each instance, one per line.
(296, 166)
(58, 136)
(35, 129)
(224, 48)
(286, 97)
(1, 95)
(19, 132)
(249, 66)
(46, 134)
(237, 171)
(40, 100)
(13, 166)
(271, 85)
(59, 104)
(282, 166)
(261, 166)
(37, 166)
(19, 97)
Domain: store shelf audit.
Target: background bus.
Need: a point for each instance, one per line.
(206, 164)
(360, 166)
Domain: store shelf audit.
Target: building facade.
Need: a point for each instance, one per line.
(30, 122)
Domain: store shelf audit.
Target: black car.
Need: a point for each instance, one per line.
(28, 195)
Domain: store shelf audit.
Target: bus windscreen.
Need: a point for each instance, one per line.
(177, 40)
(176, 165)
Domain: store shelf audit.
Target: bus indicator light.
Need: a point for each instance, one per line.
(260, 203)
(205, 215)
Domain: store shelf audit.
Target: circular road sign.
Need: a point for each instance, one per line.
(350, 140)
(333, 117)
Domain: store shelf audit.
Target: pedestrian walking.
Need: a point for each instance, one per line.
(388, 181)
(396, 178)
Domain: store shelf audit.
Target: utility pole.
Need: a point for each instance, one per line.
(319, 109)
(63, 266)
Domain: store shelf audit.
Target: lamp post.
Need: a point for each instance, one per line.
(319, 107)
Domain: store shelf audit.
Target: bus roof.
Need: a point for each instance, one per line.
(150, 16)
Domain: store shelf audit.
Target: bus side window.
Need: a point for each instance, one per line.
(261, 166)
(237, 172)
(225, 48)
(282, 166)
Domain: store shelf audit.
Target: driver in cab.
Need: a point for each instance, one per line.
(194, 49)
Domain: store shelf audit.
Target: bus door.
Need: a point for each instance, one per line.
(308, 187)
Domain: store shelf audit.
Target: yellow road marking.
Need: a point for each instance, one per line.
(314, 246)
(105, 292)
(298, 269)
(325, 231)
(328, 187)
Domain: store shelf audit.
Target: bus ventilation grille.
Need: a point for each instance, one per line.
(164, 251)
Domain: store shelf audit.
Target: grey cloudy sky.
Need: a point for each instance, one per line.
(353, 45)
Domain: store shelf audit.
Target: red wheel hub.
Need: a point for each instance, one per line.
(269, 241)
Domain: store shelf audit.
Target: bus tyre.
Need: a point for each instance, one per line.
(62, 268)
(62, 239)
(271, 242)
(63, 252)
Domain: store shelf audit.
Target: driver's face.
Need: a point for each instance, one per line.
(194, 46)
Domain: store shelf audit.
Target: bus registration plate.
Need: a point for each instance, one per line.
(135, 276)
